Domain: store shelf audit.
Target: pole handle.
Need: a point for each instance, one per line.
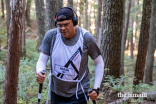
(40, 88)
(90, 91)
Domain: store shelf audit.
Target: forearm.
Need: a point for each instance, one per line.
(99, 69)
(42, 62)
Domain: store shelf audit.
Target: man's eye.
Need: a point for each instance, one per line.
(66, 24)
(59, 25)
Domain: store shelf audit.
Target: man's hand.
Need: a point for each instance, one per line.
(40, 78)
(93, 95)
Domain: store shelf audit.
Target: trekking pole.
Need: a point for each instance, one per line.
(90, 91)
(40, 88)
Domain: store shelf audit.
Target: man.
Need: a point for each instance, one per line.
(68, 47)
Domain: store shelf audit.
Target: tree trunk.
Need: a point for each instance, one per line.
(137, 22)
(78, 11)
(86, 15)
(132, 47)
(51, 9)
(7, 2)
(14, 50)
(40, 15)
(60, 4)
(151, 45)
(96, 10)
(131, 39)
(23, 38)
(98, 23)
(111, 36)
(143, 42)
(89, 16)
(132, 29)
(122, 42)
(128, 42)
(127, 20)
(124, 37)
(28, 12)
(70, 3)
(81, 13)
(2, 3)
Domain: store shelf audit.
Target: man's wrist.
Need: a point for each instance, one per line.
(96, 89)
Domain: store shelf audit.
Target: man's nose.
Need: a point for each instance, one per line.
(63, 27)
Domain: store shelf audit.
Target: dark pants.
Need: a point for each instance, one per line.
(56, 99)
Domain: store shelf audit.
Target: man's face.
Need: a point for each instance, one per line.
(66, 28)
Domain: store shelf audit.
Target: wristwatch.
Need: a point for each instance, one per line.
(96, 89)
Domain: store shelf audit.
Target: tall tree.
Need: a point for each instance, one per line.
(137, 22)
(89, 15)
(98, 23)
(81, 13)
(111, 36)
(143, 42)
(86, 15)
(122, 42)
(131, 29)
(60, 4)
(2, 3)
(128, 42)
(131, 39)
(78, 11)
(28, 12)
(124, 37)
(23, 54)
(14, 50)
(7, 2)
(40, 14)
(51, 9)
(70, 3)
(151, 45)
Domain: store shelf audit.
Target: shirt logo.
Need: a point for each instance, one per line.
(67, 71)
(64, 70)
